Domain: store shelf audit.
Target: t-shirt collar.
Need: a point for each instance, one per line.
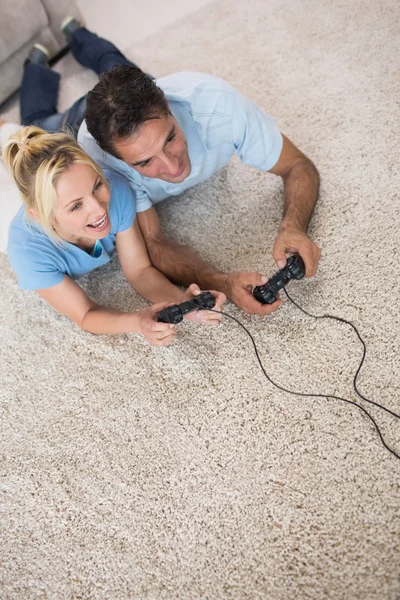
(196, 145)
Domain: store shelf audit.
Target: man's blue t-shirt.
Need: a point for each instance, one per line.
(218, 122)
(39, 262)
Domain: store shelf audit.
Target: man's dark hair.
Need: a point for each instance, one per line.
(123, 99)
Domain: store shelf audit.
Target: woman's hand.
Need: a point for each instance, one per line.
(157, 334)
(204, 316)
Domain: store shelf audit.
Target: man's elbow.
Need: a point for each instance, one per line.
(156, 247)
(311, 166)
(302, 168)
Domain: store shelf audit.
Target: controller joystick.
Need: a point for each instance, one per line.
(294, 269)
(174, 314)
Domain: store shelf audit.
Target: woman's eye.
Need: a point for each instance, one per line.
(75, 207)
(98, 184)
(171, 138)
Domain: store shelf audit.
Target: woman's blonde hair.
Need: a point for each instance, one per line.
(36, 159)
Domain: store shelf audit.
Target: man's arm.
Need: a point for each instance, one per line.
(181, 265)
(301, 187)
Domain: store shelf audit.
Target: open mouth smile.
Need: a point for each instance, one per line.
(100, 224)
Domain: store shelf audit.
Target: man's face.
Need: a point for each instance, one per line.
(159, 150)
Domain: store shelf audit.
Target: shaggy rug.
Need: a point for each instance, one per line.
(133, 472)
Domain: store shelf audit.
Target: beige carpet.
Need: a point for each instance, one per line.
(130, 472)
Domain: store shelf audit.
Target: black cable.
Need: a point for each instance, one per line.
(320, 395)
(341, 320)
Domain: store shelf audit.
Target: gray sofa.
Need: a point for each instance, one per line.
(22, 23)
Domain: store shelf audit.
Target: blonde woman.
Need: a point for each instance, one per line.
(73, 217)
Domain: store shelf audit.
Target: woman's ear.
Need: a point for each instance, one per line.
(32, 213)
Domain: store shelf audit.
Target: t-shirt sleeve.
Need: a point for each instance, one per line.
(33, 267)
(256, 137)
(143, 201)
(140, 197)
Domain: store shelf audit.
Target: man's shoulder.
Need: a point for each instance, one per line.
(105, 160)
(87, 141)
(186, 80)
(196, 88)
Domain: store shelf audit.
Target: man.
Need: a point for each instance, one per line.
(167, 136)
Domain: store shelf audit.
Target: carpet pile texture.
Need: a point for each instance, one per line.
(133, 472)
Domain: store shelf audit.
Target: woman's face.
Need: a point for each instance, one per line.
(81, 214)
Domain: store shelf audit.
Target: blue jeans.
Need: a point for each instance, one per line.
(39, 87)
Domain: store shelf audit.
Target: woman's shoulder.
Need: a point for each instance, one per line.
(122, 201)
(34, 257)
(23, 232)
(29, 243)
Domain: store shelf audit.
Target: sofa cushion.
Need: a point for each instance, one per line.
(20, 21)
(11, 70)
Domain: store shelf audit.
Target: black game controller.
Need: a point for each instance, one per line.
(294, 269)
(174, 314)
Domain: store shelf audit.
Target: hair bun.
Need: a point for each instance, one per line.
(26, 134)
(23, 143)
(17, 142)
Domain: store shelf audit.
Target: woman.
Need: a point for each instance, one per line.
(74, 216)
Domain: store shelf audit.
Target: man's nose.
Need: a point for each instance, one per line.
(170, 163)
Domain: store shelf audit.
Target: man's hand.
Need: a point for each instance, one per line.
(204, 316)
(239, 288)
(296, 241)
(301, 187)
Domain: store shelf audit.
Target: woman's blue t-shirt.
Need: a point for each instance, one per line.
(39, 262)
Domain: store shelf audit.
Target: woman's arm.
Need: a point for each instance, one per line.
(151, 283)
(136, 264)
(70, 300)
